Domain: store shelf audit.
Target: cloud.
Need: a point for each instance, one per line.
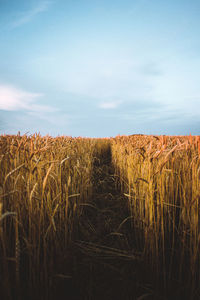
(150, 69)
(28, 16)
(108, 78)
(15, 99)
(109, 104)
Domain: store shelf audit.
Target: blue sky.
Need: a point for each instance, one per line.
(100, 67)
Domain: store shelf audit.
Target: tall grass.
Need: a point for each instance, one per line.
(160, 175)
(46, 183)
(43, 183)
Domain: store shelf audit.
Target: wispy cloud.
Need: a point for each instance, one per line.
(28, 16)
(150, 69)
(109, 78)
(14, 99)
(109, 104)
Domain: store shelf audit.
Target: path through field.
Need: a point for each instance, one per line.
(105, 263)
(67, 231)
(106, 260)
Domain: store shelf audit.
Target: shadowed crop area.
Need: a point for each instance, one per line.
(110, 218)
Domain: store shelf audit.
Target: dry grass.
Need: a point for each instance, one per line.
(47, 183)
(160, 175)
(44, 182)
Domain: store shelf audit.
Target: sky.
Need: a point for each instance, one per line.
(99, 68)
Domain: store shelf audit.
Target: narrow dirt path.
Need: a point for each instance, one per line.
(107, 203)
(105, 259)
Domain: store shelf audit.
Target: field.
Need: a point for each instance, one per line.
(84, 218)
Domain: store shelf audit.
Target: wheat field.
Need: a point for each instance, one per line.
(100, 218)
